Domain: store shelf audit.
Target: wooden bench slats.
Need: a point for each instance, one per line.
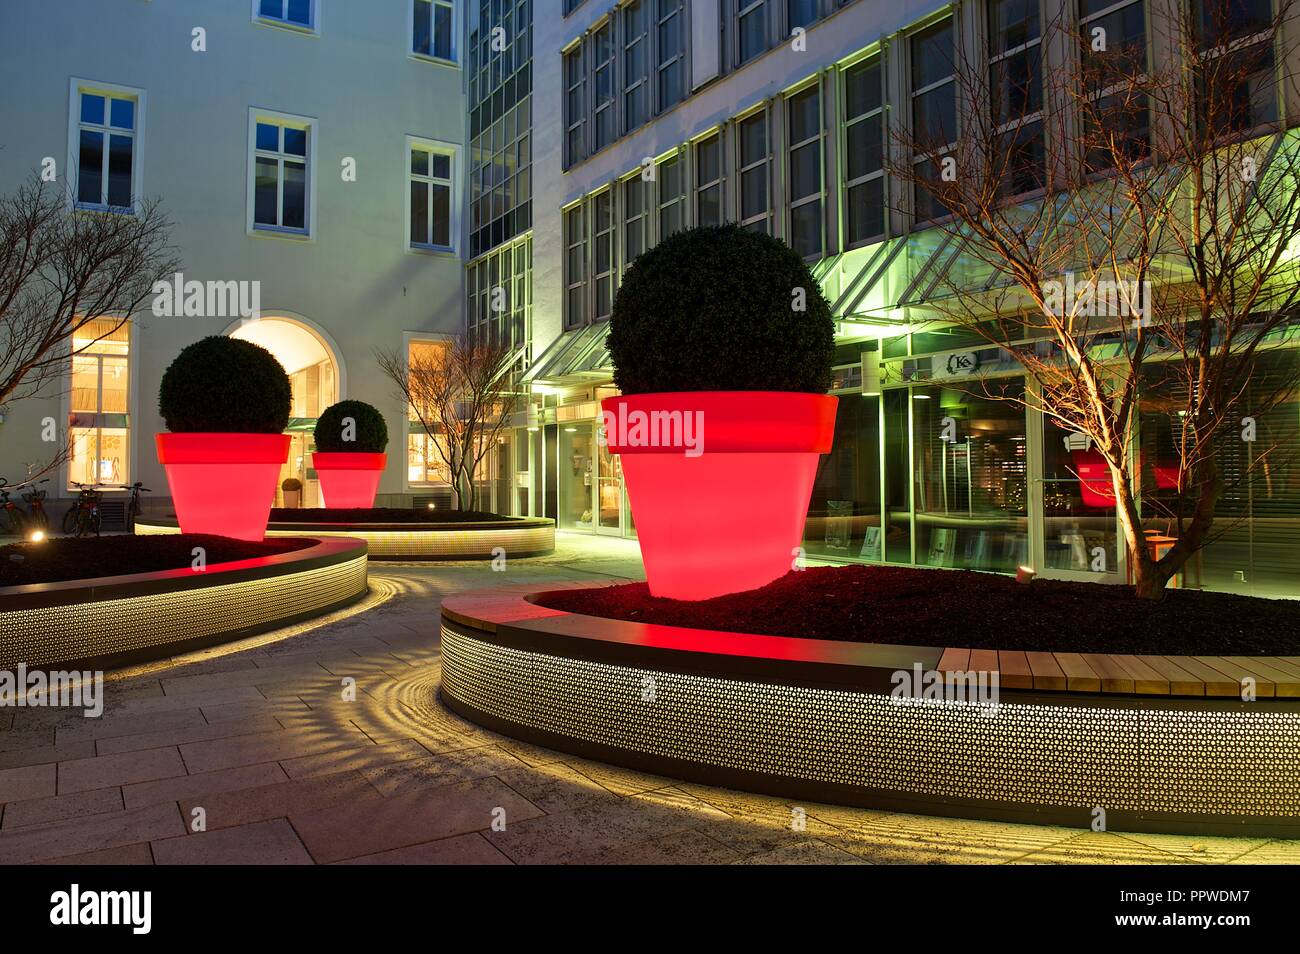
(1146, 680)
(1284, 684)
(954, 660)
(1047, 673)
(1014, 671)
(984, 660)
(1114, 677)
(1079, 676)
(1263, 687)
(1181, 682)
(1288, 664)
(1217, 682)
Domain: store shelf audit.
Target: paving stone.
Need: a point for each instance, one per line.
(81, 835)
(137, 854)
(102, 771)
(199, 733)
(363, 757)
(446, 768)
(135, 724)
(555, 787)
(333, 834)
(199, 787)
(260, 843)
(41, 811)
(241, 806)
(46, 753)
(679, 848)
(31, 781)
(807, 852)
(264, 747)
(471, 849)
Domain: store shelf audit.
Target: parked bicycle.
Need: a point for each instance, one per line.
(134, 507)
(15, 519)
(84, 517)
(37, 519)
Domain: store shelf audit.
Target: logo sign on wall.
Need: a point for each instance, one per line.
(965, 362)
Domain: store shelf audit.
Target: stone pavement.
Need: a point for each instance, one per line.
(257, 740)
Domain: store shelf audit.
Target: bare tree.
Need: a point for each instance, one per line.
(66, 272)
(462, 396)
(1125, 228)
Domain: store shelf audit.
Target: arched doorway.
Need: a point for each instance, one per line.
(314, 370)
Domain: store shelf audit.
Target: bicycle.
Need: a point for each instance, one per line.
(15, 520)
(84, 517)
(133, 506)
(35, 500)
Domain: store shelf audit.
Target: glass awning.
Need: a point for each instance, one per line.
(576, 355)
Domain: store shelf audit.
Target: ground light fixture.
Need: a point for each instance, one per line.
(1025, 574)
(36, 536)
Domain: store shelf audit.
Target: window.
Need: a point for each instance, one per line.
(98, 422)
(1016, 87)
(499, 295)
(864, 151)
(1113, 37)
(800, 13)
(671, 62)
(297, 13)
(1236, 85)
(602, 87)
(672, 198)
(804, 135)
(105, 149)
(430, 197)
(281, 157)
(636, 62)
(602, 239)
(425, 463)
(755, 160)
(751, 29)
(575, 267)
(575, 106)
(433, 32)
(708, 181)
(635, 218)
(934, 106)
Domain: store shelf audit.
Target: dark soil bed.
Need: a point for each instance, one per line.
(960, 608)
(380, 515)
(68, 558)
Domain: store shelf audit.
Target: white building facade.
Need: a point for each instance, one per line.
(311, 149)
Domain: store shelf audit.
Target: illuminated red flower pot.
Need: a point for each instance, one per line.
(719, 482)
(348, 479)
(223, 483)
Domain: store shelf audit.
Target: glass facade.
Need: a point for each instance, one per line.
(98, 423)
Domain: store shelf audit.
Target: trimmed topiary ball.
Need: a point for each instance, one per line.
(225, 385)
(370, 433)
(721, 309)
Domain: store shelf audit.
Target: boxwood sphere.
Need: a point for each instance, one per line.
(721, 309)
(225, 385)
(371, 430)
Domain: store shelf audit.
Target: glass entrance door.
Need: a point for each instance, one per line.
(1080, 536)
(609, 506)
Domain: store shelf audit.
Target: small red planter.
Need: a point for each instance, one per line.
(347, 479)
(223, 483)
(726, 514)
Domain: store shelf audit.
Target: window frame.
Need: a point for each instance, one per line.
(570, 283)
(456, 29)
(914, 93)
(133, 383)
(312, 127)
(881, 113)
(574, 154)
(742, 167)
(699, 185)
(312, 28)
(790, 202)
(452, 152)
(77, 86)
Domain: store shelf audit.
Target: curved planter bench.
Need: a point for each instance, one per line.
(816, 720)
(120, 620)
(517, 536)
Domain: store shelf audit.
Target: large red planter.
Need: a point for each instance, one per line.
(347, 479)
(728, 514)
(223, 483)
